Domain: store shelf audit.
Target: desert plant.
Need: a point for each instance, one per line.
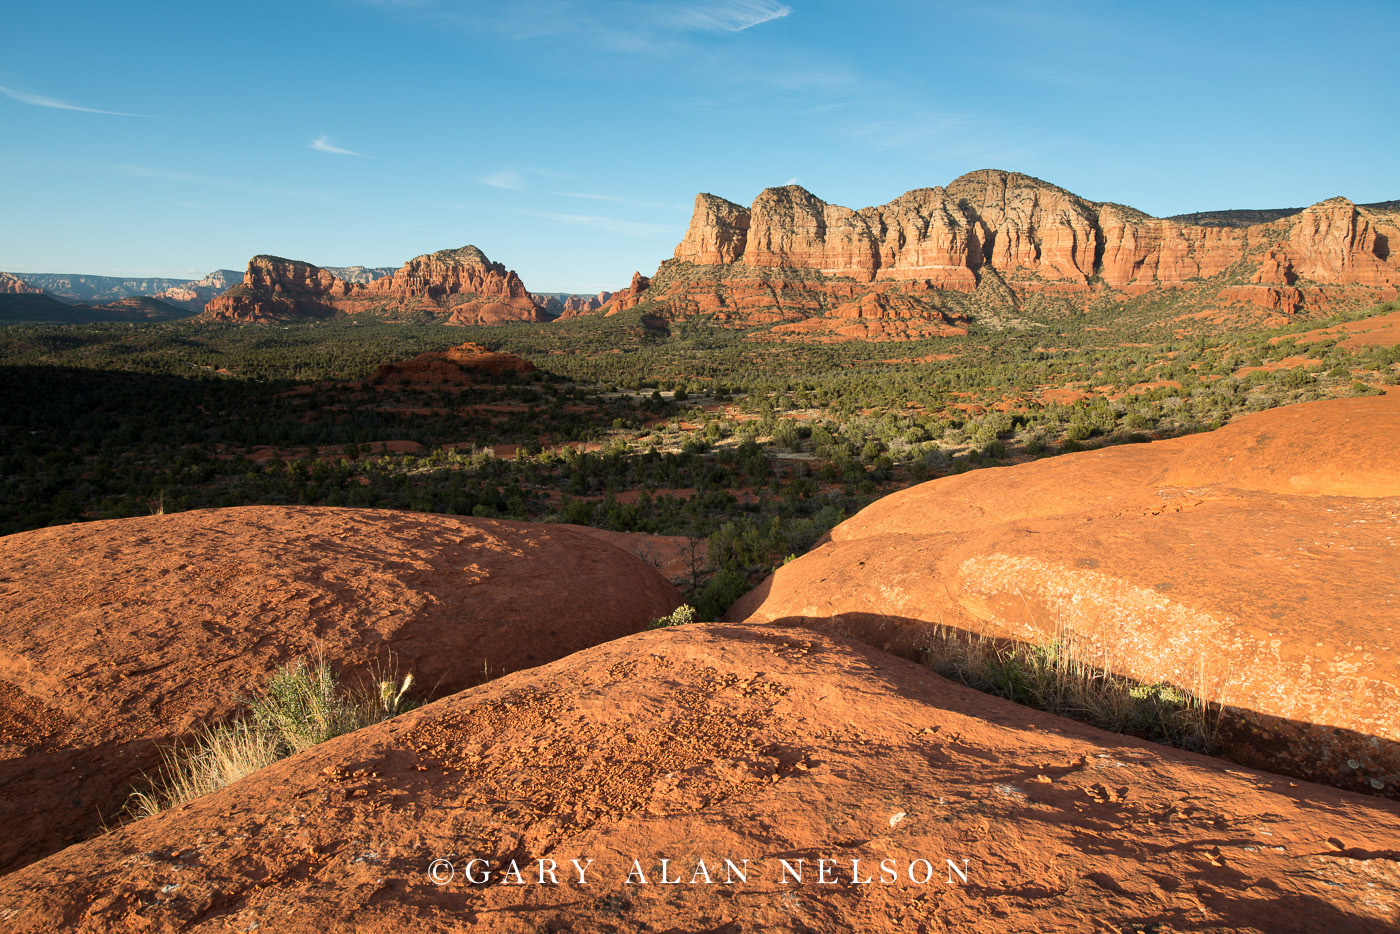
(217, 756)
(685, 613)
(302, 705)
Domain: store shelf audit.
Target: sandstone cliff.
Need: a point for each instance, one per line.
(459, 286)
(791, 257)
(578, 305)
(11, 284)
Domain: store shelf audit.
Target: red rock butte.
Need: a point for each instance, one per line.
(1255, 566)
(458, 286)
(754, 744)
(895, 270)
(458, 366)
(117, 636)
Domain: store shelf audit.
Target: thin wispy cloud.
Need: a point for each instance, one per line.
(508, 179)
(625, 26)
(322, 143)
(618, 199)
(608, 224)
(229, 184)
(53, 103)
(735, 16)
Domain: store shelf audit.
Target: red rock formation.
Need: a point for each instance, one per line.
(576, 305)
(116, 636)
(1254, 566)
(1025, 234)
(10, 284)
(459, 366)
(277, 289)
(461, 286)
(630, 297)
(705, 743)
(549, 304)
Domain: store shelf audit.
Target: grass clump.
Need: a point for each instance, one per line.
(302, 704)
(218, 756)
(1056, 677)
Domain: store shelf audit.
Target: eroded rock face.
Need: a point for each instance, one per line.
(460, 366)
(1255, 566)
(277, 289)
(11, 284)
(1027, 237)
(462, 286)
(576, 306)
(751, 744)
(119, 636)
(629, 297)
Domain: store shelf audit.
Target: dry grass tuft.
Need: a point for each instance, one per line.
(217, 756)
(1058, 678)
(303, 704)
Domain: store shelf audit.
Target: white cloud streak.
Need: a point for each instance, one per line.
(53, 103)
(628, 26)
(733, 16)
(508, 179)
(230, 184)
(618, 199)
(322, 143)
(608, 224)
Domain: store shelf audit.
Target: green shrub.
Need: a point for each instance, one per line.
(722, 592)
(685, 613)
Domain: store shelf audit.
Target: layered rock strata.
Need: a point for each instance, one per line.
(460, 286)
(1015, 236)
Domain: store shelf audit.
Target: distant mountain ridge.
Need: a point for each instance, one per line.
(38, 308)
(190, 294)
(76, 287)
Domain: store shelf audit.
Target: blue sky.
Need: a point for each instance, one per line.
(568, 139)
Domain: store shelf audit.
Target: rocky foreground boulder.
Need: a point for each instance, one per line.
(1256, 566)
(899, 801)
(118, 636)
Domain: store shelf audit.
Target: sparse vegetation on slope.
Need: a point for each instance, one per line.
(303, 704)
(1057, 677)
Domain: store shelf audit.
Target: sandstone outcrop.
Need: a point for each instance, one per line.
(118, 636)
(549, 304)
(576, 305)
(460, 366)
(360, 274)
(706, 743)
(1006, 236)
(197, 292)
(11, 284)
(460, 286)
(277, 289)
(629, 297)
(1254, 566)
